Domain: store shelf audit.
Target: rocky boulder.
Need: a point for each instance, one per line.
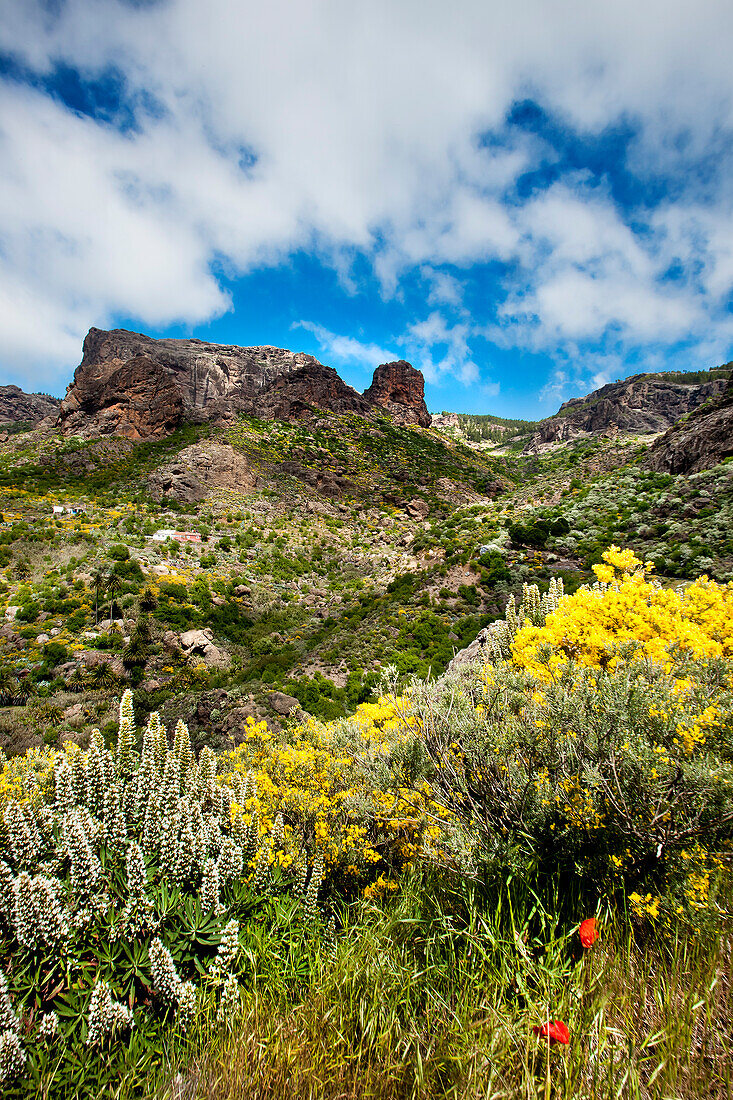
(472, 652)
(283, 704)
(399, 389)
(200, 643)
(200, 468)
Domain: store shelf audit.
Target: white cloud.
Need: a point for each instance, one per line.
(365, 123)
(346, 349)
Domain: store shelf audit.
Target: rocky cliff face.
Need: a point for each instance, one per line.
(400, 390)
(199, 468)
(641, 405)
(701, 440)
(134, 386)
(19, 407)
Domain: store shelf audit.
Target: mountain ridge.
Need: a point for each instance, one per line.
(139, 387)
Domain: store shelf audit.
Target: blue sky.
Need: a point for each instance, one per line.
(524, 200)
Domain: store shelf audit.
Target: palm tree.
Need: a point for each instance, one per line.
(147, 601)
(103, 676)
(113, 583)
(99, 580)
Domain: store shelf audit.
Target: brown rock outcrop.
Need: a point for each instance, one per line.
(134, 386)
(698, 442)
(19, 407)
(199, 468)
(307, 390)
(640, 405)
(399, 389)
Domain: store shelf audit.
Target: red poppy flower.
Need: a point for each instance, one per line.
(589, 932)
(555, 1031)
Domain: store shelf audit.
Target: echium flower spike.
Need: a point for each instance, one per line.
(115, 829)
(183, 865)
(171, 786)
(85, 868)
(137, 876)
(301, 876)
(230, 1002)
(126, 737)
(24, 839)
(7, 899)
(207, 767)
(106, 1016)
(230, 861)
(310, 905)
(137, 916)
(186, 1005)
(64, 783)
(95, 772)
(166, 982)
(182, 749)
(38, 917)
(210, 894)
(48, 1028)
(154, 741)
(151, 825)
(8, 1018)
(12, 1057)
(228, 950)
(78, 773)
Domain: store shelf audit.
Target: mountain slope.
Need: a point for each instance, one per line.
(640, 405)
(699, 441)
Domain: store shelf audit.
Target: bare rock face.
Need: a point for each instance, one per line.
(702, 440)
(306, 391)
(19, 407)
(472, 652)
(132, 385)
(136, 387)
(399, 389)
(199, 468)
(641, 405)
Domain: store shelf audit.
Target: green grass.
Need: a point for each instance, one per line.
(433, 997)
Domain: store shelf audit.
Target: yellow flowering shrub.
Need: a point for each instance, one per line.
(626, 607)
(26, 778)
(603, 749)
(339, 791)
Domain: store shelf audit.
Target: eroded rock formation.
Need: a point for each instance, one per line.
(698, 442)
(640, 405)
(19, 407)
(199, 468)
(133, 386)
(399, 389)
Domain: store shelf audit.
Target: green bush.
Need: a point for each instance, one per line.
(584, 774)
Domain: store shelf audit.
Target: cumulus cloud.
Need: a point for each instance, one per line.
(376, 132)
(347, 349)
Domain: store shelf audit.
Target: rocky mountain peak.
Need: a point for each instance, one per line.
(400, 390)
(641, 405)
(132, 385)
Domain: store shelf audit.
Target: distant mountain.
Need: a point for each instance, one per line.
(700, 440)
(640, 405)
(132, 385)
(17, 407)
